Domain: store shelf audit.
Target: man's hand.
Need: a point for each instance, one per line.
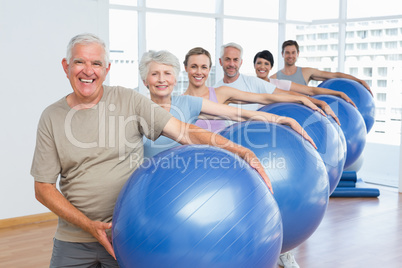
(98, 230)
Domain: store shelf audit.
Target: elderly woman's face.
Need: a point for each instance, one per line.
(160, 80)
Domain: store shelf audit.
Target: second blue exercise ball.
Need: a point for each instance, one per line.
(358, 94)
(352, 125)
(298, 175)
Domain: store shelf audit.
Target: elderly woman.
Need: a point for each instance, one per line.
(159, 71)
(198, 64)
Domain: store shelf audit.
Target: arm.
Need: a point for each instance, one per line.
(323, 75)
(228, 95)
(189, 134)
(324, 106)
(49, 196)
(213, 110)
(320, 91)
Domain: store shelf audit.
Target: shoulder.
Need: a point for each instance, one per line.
(308, 70)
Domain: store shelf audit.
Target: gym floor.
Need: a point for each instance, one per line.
(355, 232)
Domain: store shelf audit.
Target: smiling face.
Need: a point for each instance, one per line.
(160, 80)
(86, 71)
(262, 68)
(198, 69)
(231, 62)
(290, 55)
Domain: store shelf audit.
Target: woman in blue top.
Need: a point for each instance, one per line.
(159, 71)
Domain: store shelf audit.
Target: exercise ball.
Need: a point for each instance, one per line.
(196, 206)
(358, 94)
(352, 125)
(323, 133)
(298, 175)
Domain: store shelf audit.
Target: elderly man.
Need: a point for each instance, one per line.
(92, 139)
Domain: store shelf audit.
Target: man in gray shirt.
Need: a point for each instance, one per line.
(303, 75)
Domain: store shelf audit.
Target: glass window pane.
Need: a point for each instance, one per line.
(244, 33)
(206, 6)
(318, 46)
(123, 47)
(361, 8)
(267, 9)
(308, 10)
(178, 36)
(123, 2)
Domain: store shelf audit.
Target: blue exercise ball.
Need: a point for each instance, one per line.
(352, 125)
(298, 176)
(196, 206)
(323, 133)
(358, 94)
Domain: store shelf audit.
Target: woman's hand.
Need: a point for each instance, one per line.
(296, 127)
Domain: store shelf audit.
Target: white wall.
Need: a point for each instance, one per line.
(33, 40)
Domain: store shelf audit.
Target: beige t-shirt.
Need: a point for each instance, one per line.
(94, 151)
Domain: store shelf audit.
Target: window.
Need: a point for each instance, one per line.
(382, 83)
(208, 6)
(311, 37)
(350, 34)
(368, 71)
(123, 47)
(362, 46)
(353, 71)
(322, 47)
(322, 36)
(349, 46)
(376, 33)
(391, 32)
(376, 45)
(362, 34)
(382, 97)
(393, 44)
(300, 37)
(334, 35)
(382, 71)
(311, 48)
(179, 44)
(334, 47)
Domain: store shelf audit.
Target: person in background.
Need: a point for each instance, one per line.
(231, 61)
(92, 141)
(303, 75)
(263, 63)
(159, 71)
(198, 64)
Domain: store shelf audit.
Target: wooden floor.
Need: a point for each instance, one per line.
(355, 232)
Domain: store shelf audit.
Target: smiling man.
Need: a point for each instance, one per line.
(303, 75)
(91, 141)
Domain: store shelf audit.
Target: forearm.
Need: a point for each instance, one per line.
(50, 197)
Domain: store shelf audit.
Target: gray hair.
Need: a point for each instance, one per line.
(85, 39)
(161, 57)
(234, 45)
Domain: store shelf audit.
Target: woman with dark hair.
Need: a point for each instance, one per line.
(263, 63)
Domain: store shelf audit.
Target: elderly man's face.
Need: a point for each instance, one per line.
(86, 71)
(231, 61)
